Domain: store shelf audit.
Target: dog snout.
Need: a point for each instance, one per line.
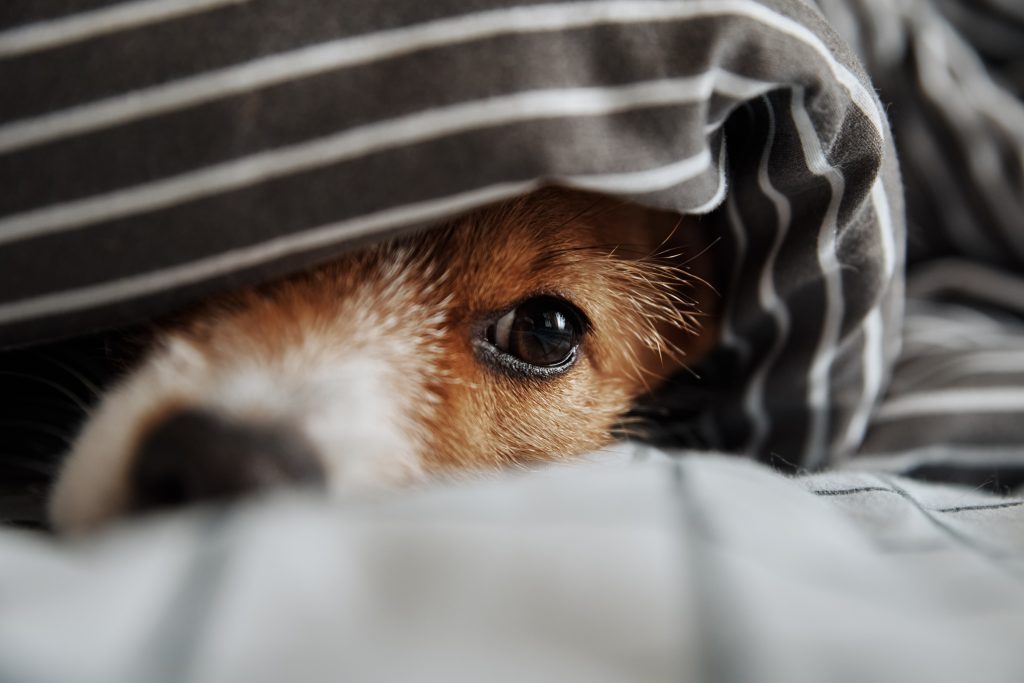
(197, 456)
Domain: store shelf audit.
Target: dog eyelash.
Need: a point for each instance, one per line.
(538, 337)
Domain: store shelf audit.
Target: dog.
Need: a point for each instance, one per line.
(520, 333)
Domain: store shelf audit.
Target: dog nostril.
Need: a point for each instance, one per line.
(197, 456)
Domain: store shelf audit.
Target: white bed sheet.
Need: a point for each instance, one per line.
(697, 569)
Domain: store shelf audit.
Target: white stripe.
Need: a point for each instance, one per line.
(819, 384)
(969, 456)
(842, 18)
(374, 137)
(989, 362)
(78, 27)
(994, 101)
(886, 231)
(958, 368)
(892, 261)
(874, 362)
(959, 340)
(936, 77)
(944, 188)
(656, 179)
(887, 21)
(958, 333)
(753, 399)
(308, 61)
(723, 184)
(946, 318)
(964, 327)
(651, 180)
(239, 259)
(954, 401)
(874, 359)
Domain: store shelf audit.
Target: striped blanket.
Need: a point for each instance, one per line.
(157, 151)
(153, 152)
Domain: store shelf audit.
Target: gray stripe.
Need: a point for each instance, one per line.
(819, 398)
(404, 130)
(347, 52)
(768, 297)
(414, 214)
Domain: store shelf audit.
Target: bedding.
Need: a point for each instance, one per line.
(155, 152)
(205, 144)
(700, 568)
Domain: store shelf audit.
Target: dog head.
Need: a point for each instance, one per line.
(519, 333)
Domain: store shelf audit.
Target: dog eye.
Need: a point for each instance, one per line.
(543, 332)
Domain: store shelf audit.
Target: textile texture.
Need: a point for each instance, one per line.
(156, 152)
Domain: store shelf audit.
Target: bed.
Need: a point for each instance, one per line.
(835, 494)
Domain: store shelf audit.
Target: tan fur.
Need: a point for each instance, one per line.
(416, 304)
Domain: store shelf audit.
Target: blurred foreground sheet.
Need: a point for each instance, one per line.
(691, 569)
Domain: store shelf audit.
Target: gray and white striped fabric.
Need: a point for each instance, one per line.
(156, 151)
(951, 73)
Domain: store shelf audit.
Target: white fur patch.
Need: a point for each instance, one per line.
(353, 399)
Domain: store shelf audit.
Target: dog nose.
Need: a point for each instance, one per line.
(195, 456)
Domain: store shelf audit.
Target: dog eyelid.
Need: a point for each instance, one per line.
(502, 329)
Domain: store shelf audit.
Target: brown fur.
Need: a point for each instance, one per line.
(636, 274)
(379, 361)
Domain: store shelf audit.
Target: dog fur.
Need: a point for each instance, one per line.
(380, 363)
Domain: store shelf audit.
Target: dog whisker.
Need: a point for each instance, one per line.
(89, 385)
(62, 390)
(38, 427)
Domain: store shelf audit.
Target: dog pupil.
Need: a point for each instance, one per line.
(542, 334)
